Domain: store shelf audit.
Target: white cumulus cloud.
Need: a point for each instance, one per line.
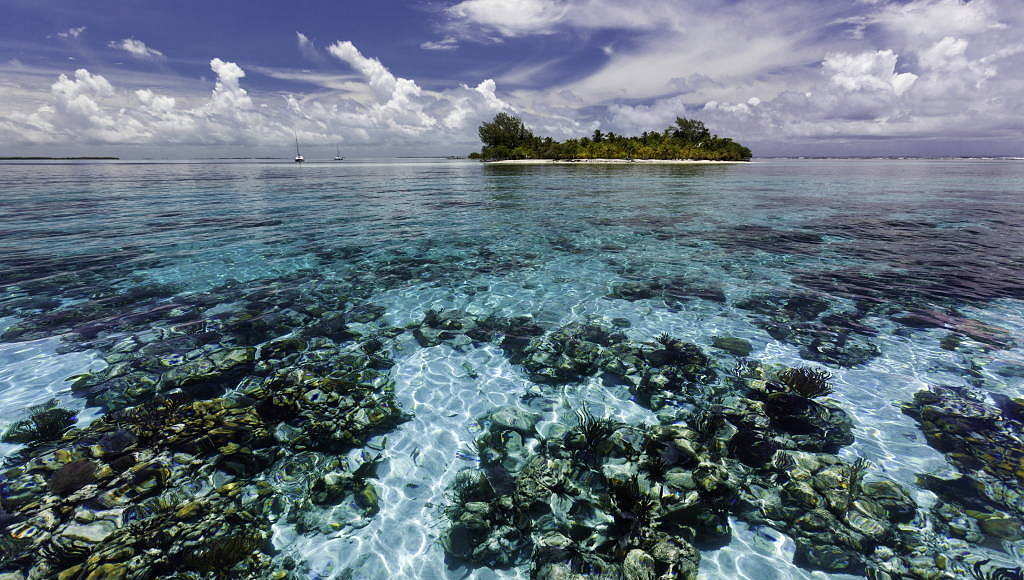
(512, 17)
(71, 33)
(136, 48)
(871, 71)
(87, 108)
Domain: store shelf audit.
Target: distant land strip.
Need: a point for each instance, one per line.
(59, 158)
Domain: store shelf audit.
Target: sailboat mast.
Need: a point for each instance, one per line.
(297, 146)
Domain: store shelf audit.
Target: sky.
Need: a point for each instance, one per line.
(140, 78)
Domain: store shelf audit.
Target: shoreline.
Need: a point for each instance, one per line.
(608, 162)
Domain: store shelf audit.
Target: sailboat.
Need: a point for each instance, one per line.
(338, 157)
(298, 156)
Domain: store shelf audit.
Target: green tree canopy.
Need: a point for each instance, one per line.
(690, 131)
(506, 137)
(505, 131)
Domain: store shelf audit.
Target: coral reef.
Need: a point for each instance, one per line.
(173, 486)
(599, 497)
(985, 441)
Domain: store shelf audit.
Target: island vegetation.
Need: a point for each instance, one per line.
(507, 137)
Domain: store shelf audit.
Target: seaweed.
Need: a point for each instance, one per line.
(368, 468)
(854, 477)
(583, 561)
(806, 382)
(595, 431)
(219, 555)
(46, 422)
(657, 468)
(469, 485)
(432, 318)
(61, 555)
(668, 342)
(634, 511)
(706, 422)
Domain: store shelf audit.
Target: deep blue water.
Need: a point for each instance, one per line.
(903, 252)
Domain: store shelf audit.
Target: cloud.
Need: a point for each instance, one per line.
(136, 48)
(772, 73)
(938, 18)
(87, 108)
(860, 96)
(735, 43)
(446, 43)
(228, 95)
(870, 71)
(307, 47)
(512, 17)
(78, 111)
(71, 33)
(760, 70)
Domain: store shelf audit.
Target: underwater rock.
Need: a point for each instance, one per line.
(673, 291)
(638, 565)
(93, 533)
(986, 443)
(785, 307)
(514, 418)
(635, 290)
(608, 498)
(779, 413)
(72, 477)
(836, 519)
(976, 437)
(961, 325)
(458, 329)
(838, 338)
(732, 345)
(757, 446)
(843, 350)
(678, 290)
(224, 366)
(570, 353)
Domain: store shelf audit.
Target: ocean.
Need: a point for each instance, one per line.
(894, 276)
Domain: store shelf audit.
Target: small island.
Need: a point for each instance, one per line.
(507, 140)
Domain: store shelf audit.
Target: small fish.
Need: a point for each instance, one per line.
(416, 457)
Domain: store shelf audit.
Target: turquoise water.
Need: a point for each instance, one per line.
(659, 249)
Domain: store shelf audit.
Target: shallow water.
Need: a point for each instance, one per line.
(552, 242)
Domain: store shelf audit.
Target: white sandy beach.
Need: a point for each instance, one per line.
(606, 162)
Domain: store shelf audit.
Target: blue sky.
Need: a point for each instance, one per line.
(856, 77)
